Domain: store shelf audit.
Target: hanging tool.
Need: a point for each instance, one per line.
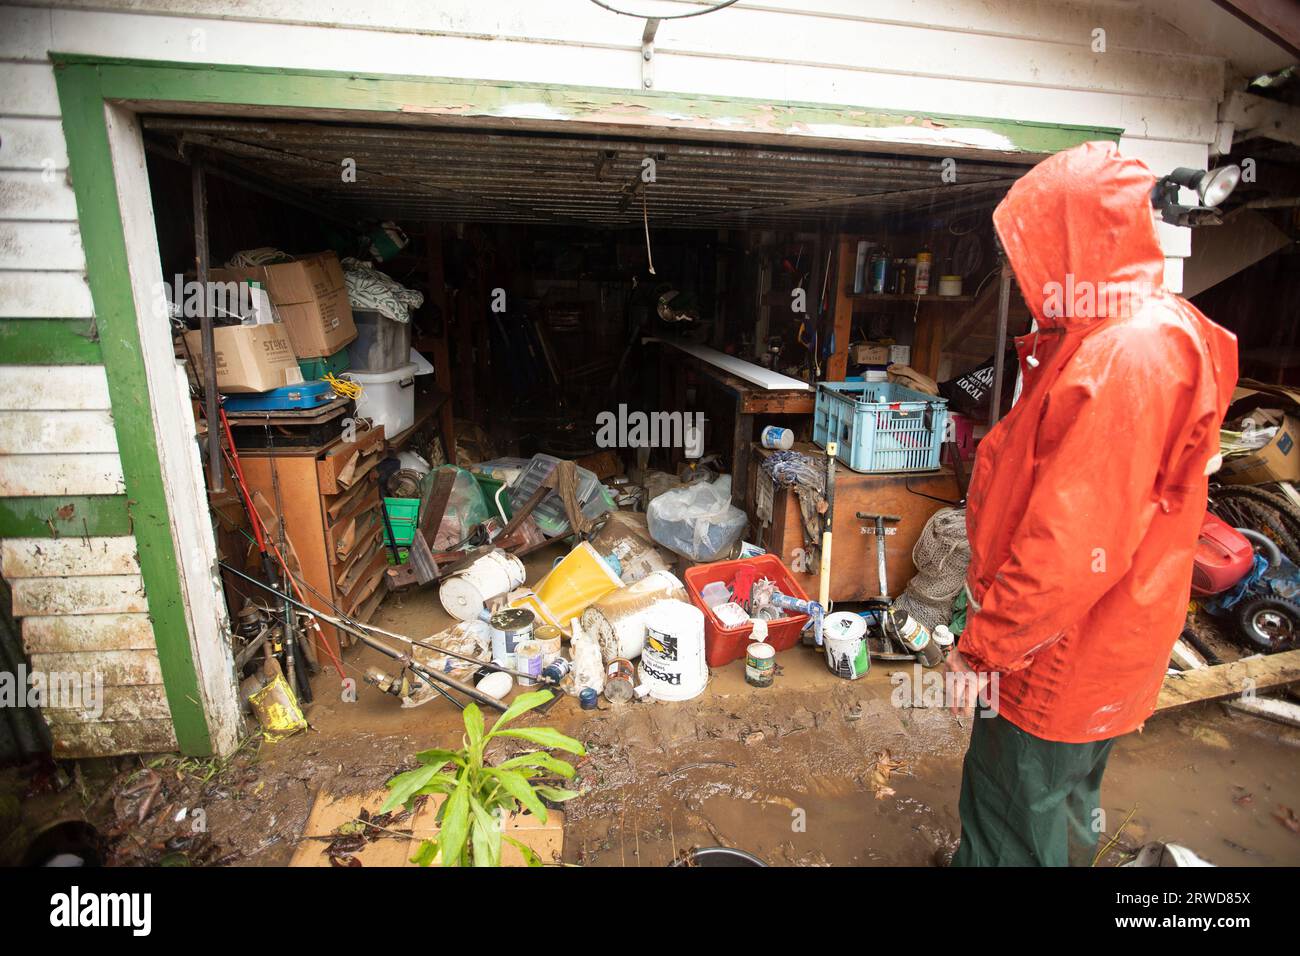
(824, 585)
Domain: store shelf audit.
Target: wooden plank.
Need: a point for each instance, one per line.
(1270, 708)
(36, 196)
(27, 89)
(78, 633)
(112, 668)
(1250, 674)
(49, 341)
(63, 557)
(754, 374)
(51, 387)
(841, 282)
(35, 144)
(40, 475)
(56, 432)
(41, 246)
(45, 295)
(102, 594)
(51, 516)
(105, 739)
(120, 703)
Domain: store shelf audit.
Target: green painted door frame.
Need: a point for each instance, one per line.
(86, 83)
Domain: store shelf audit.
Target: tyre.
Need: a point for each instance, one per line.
(1269, 624)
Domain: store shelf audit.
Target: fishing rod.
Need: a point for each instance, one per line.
(493, 665)
(404, 659)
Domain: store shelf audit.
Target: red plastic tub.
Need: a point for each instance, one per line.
(722, 645)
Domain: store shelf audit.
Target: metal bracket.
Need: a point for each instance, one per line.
(648, 52)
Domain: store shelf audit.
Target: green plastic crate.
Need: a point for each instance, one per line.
(403, 514)
(314, 369)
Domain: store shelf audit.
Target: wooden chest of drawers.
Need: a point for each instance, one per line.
(328, 498)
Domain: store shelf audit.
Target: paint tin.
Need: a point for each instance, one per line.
(774, 436)
(528, 660)
(844, 637)
(557, 670)
(760, 664)
(588, 698)
(551, 638)
(511, 627)
(620, 680)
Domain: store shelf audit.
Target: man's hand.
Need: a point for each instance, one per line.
(966, 689)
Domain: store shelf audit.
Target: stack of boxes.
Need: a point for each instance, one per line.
(300, 339)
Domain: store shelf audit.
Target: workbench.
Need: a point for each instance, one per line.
(748, 401)
(853, 551)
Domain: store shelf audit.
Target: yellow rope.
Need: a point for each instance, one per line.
(342, 386)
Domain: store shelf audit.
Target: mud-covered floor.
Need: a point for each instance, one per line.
(812, 771)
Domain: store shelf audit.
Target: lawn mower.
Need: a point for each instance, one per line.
(1244, 577)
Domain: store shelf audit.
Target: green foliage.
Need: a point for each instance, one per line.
(481, 798)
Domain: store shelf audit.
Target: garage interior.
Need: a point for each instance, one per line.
(544, 260)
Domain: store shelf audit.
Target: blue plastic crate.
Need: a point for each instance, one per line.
(880, 426)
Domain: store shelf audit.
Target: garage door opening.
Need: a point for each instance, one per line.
(537, 293)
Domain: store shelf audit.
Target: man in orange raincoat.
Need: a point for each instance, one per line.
(1084, 508)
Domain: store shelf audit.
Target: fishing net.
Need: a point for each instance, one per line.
(941, 555)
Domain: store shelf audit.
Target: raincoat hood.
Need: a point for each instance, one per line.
(1077, 220)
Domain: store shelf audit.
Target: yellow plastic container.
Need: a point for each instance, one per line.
(581, 578)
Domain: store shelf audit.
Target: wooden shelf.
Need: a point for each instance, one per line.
(900, 297)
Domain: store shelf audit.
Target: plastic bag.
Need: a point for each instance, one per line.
(465, 509)
(697, 521)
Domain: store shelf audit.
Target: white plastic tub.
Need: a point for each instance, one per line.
(387, 398)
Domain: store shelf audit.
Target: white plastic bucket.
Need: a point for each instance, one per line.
(618, 619)
(672, 660)
(387, 398)
(845, 637)
(466, 593)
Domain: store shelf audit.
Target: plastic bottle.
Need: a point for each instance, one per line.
(924, 259)
(588, 665)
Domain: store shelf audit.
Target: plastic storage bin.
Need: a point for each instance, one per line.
(402, 515)
(725, 644)
(387, 398)
(549, 514)
(880, 426)
(381, 345)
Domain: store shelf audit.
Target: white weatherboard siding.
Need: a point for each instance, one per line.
(80, 600)
(85, 627)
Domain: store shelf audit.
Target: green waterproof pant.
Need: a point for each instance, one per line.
(1026, 801)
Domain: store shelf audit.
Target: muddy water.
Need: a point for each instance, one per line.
(794, 773)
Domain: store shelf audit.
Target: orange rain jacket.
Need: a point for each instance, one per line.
(1086, 500)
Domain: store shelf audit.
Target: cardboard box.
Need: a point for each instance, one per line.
(870, 353)
(397, 844)
(312, 298)
(250, 358)
(1279, 460)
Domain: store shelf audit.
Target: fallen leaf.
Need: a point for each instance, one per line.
(1286, 816)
